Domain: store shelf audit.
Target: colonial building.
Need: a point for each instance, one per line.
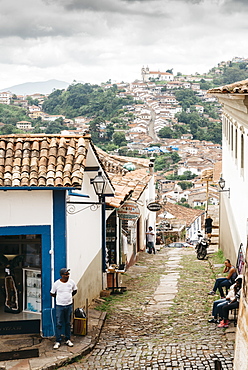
(148, 75)
(51, 217)
(234, 197)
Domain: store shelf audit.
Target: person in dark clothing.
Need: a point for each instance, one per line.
(208, 226)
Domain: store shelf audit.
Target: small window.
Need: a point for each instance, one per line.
(236, 143)
(242, 151)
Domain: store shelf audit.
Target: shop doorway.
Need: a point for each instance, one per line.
(20, 278)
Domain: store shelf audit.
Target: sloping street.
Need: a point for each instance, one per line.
(161, 322)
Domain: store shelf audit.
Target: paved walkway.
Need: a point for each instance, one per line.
(169, 330)
(49, 358)
(160, 323)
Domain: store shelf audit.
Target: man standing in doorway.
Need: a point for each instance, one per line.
(63, 290)
(150, 240)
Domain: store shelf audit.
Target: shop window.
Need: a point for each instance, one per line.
(19, 253)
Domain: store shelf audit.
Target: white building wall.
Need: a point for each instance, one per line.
(236, 179)
(84, 244)
(234, 210)
(19, 206)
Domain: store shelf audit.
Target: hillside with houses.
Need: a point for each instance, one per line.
(170, 117)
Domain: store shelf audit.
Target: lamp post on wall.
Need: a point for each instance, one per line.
(222, 184)
(222, 189)
(99, 184)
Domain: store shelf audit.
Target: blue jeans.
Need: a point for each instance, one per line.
(150, 246)
(229, 307)
(63, 317)
(220, 283)
(217, 307)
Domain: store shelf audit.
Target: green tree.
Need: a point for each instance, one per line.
(87, 100)
(187, 97)
(109, 131)
(185, 185)
(95, 126)
(54, 127)
(8, 129)
(165, 132)
(119, 138)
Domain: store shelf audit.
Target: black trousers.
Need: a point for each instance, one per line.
(227, 308)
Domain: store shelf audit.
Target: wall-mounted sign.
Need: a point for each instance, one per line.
(154, 206)
(129, 211)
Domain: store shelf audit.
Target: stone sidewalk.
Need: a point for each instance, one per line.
(50, 359)
(151, 327)
(172, 333)
(166, 291)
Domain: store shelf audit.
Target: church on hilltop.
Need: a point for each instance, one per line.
(148, 75)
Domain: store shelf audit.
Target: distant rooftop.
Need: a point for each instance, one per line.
(240, 87)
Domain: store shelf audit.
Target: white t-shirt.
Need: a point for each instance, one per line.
(150, 236)
(63, 292)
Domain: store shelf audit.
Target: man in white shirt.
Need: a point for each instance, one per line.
(150, 240)
(63, 290)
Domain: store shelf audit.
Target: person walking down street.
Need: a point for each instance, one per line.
(208, 226)
(63, 290)
(225, 281)
(150, 240)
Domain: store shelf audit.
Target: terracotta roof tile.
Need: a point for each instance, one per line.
(42, 160)
(133, 182)
(182, 214)
(240, 87)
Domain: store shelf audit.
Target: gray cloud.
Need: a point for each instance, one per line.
(93, 40)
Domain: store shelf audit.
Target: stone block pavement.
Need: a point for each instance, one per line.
(50, 359)
(141, 345)
(126, 345)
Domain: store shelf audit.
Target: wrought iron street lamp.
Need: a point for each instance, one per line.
(222, 184)
(99, 184)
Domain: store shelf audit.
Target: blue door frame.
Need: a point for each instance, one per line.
(45, 232)
(59, 255)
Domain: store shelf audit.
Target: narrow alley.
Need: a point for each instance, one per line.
(161, 322)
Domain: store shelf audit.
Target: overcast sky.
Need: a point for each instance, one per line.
(94, 40)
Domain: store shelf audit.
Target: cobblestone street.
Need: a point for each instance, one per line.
(161, 322)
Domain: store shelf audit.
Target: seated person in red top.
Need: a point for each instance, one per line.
(225, 281)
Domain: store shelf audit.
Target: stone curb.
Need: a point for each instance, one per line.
(85, 351)
(47, 362)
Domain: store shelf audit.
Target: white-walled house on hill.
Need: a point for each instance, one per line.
(234, 201)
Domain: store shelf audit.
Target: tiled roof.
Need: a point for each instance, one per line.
(240, 87)
(42, 160)
(133, 182)
(114, 163)
(183, 214)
